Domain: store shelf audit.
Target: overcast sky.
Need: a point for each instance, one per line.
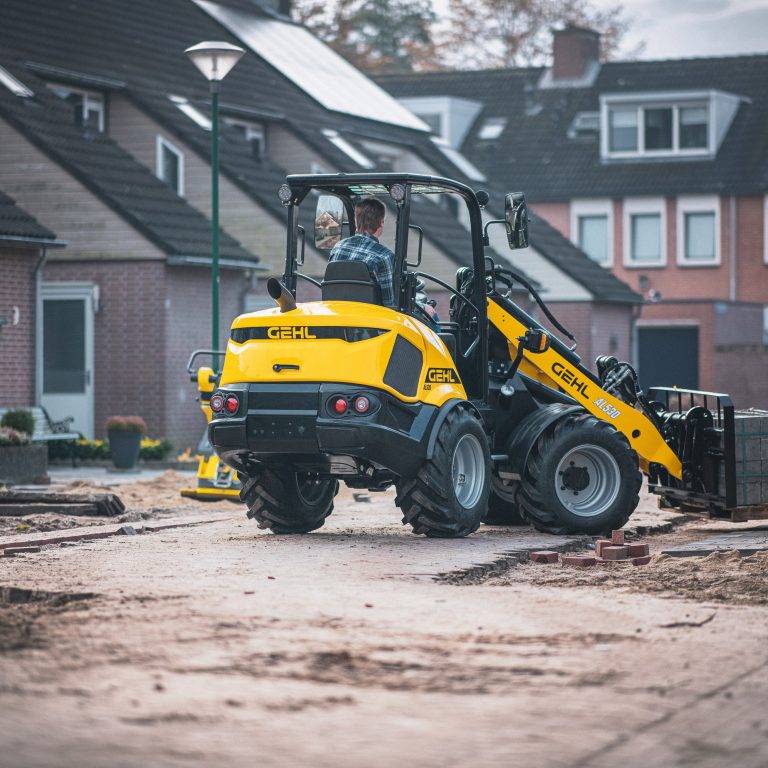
(682, 28)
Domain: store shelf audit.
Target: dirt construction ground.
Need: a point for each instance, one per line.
(217, 644)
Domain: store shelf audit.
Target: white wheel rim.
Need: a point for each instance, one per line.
(588, 480)
(468, 471)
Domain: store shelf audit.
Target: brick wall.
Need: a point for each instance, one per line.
(752, 280)
(557, 215)
(187, 319)
(17, 342)
(129, 344)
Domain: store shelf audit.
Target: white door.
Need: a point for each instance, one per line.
(67, 353)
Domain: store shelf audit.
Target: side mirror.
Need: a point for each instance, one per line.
(328, 217)
(516, 215)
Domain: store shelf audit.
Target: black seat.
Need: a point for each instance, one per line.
(350, 281)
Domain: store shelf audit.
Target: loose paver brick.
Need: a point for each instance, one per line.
(617, 538)
(544, 556)
(614, 553)
(638, 550)
(599, 544)
(578, 560)
(641, 560)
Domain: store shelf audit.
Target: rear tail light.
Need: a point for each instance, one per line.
(217, 402)
(362, 404)
(231, 404)
(340, 405)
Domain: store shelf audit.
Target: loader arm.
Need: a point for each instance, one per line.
(560, 370)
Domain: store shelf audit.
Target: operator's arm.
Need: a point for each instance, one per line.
(383, 270)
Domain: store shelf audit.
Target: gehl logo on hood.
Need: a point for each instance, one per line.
(441, 376)
(580, 385)
(289, 332)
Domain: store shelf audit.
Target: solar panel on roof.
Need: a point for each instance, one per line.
(313, 66)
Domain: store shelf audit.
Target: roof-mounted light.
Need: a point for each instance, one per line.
(397, 192)
(284, 193)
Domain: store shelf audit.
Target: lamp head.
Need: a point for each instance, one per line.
(214, 58)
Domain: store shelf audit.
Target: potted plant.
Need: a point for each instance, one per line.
(20, 461)
(124, 434)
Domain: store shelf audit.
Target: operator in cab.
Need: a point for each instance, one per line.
(364, 246)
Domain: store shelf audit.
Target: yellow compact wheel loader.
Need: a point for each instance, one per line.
(483, 416)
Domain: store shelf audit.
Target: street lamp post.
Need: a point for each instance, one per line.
(214, 59)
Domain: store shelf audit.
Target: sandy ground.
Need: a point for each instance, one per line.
(361, 644)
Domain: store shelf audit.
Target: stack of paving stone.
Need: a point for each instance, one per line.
(607, 552)
(751, 428)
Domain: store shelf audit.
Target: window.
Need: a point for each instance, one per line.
(698, 231)
(645, 232)
(87, 106)
(352, 152)
(13, 85)
(170, 165)
(658, 129)
(492, 128)
(192, 112)
(253, 133)
(693, 127)
(623, 130)
(592, 229)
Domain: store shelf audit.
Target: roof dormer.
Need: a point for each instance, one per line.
(665, 124)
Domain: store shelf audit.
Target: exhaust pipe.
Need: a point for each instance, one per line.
(281, 295)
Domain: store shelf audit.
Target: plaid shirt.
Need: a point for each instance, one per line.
(380, 260)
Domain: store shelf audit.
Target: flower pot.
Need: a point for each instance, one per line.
(23, 464)
(124, 447)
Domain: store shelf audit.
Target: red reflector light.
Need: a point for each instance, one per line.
(217, 403)
(362, 404)
(231, 404)
(340, 405)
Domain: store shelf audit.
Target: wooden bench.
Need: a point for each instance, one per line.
(47, 430)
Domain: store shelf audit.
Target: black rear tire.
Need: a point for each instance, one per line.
(581, 477)
(285, 501)
(449, 495)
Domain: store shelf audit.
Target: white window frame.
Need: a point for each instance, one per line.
(641, 102)
(765, 230)
(594, 207)
(697, 204)
(251, 131)
(644, 205)
(163, 143)
(92, 100)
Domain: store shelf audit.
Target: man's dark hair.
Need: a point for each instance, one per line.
(369, 213)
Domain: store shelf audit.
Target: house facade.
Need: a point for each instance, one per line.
(105, 131)
(658, 170)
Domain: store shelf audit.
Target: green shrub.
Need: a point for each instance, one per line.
(126, 424)
(10, 436)
(155, 450)
(19, 419)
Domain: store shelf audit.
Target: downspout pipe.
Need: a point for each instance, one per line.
(38, 351)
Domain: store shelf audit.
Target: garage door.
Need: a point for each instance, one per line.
(668, 357)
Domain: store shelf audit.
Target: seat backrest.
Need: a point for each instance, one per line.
(350, 281)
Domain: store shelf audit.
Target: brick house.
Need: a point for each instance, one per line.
(133, 166)
(24, 244)
(657, 169)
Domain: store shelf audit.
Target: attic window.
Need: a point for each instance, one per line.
(492, 128)
(170, 165)
(348, 149)
(192, 112)
(253, 133)
(679, 124)
(584, 125)
(13, 85)
(88, 106)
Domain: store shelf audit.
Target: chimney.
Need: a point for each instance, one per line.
(574, 51)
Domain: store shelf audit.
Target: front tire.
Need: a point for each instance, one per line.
(286, 501)
(449, 495)
(581, 477)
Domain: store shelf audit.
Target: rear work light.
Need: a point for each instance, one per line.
(217, 402)
(231, 404)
